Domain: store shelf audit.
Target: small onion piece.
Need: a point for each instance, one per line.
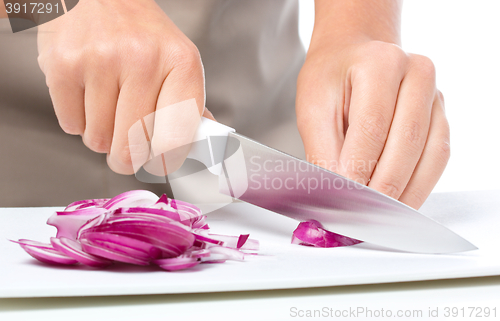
(225, 253)
(312, 233)
(238, 242)
(242, 239)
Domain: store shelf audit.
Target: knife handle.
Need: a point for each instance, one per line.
(209, 144)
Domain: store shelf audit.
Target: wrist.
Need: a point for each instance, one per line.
(340, 24)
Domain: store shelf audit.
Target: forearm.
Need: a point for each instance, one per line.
(344, 22)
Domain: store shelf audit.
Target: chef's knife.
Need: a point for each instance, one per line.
(260, 175)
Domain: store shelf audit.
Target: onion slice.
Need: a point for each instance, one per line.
(49, 256)
(176, 264)
(74, 249)
(312, 233)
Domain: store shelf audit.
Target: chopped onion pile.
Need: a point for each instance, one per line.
(139, 228)
(312, 233)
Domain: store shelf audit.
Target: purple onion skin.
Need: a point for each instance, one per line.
(312, 233)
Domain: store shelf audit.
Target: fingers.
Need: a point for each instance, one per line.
(374, 92)
(319, 111)
(101, 96)
(180, 103)
(433, 161)
(68, 100)
(408, 131)
(105, 79)
(137, 99)
(208, 114)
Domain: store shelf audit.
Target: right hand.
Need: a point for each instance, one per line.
(109, 64)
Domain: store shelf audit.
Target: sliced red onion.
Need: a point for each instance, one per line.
(68, 223)
(203, 239)
(153, 211)
(176, 264)
(110, 254)
(139, 228)
(312, 233)
(31, 243)
(196, 253)
(242, 240)
(74, 249)
(120, 244)
(224, 253)
(164, 236)
(85, 203)
(131, 199)
(49, 256)
(233, 241)
(186, 210)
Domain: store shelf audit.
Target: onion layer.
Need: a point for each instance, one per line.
(312, 233)
(139, 228)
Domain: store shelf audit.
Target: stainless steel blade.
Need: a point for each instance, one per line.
(271, 179)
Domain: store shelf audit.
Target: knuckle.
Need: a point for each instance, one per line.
(417, 196)
(440, 96)
(443, 151)
(390, 188)
(412, 133)
(67, 60)
(61, 67)
(387, 54)
(424, 66)
(140, 52)
(41, 62)
(101, 55)
(440, 147)
(374, 126)
(123, 157)
(97, 143)
(186, 56)
(356, 170)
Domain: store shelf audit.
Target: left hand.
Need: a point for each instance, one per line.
(372, 113)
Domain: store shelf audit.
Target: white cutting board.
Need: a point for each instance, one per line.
(474, 215)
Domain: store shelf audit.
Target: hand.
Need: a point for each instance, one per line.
(108, 64)
(372, 113)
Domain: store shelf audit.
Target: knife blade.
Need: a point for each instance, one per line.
(268, 178)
